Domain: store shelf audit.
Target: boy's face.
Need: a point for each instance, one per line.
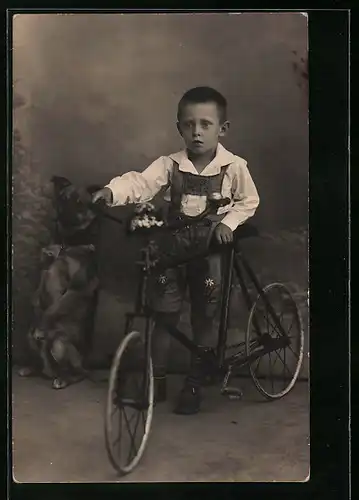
(201, 126)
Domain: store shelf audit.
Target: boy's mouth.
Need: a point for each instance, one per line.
(197, 143)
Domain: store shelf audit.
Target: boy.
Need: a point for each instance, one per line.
(203, 169)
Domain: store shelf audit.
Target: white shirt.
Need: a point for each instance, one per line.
(136, 187)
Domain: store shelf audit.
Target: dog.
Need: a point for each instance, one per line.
(65, 300)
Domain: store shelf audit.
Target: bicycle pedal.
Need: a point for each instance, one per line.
(233, 393)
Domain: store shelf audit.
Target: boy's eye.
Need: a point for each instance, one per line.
(204, 125)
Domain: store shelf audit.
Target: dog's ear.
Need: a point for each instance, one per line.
(60, 182)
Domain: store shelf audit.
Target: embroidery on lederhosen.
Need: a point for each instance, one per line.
(166, 283)
(186, 183)
(160, 283)
(162, 279)
(197, 185)
(209, 287)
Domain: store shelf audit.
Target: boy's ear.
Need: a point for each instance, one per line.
(224, 128)
(179, 128)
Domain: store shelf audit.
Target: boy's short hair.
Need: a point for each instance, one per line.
(199, 95)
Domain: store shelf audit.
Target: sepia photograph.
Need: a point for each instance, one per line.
(160, 281)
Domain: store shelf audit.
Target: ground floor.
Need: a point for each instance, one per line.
(58, 436)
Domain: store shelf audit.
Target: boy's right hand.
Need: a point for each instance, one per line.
(104, 194)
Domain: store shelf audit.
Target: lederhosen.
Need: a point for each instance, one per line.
(202, 275)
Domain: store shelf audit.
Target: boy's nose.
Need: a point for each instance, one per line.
(196, 131)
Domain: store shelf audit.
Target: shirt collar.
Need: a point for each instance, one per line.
(223, 157)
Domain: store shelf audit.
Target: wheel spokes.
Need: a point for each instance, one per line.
(270, 364)
(139, 415)
(294, 353)
(278, 320)
(276, 359)
(284, 364)
(267, 320)
(259, 361)
(130, 390)
(132, 437)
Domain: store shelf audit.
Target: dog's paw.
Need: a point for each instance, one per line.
(59, 383)
(26, 371)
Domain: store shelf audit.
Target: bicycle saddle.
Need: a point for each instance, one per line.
(245, 230)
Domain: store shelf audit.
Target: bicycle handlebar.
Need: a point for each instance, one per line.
(99, 208)
(212, 206)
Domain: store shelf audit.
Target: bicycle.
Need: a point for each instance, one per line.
(131, 381)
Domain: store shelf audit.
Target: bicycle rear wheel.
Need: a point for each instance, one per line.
(275, 373)
(129, 406)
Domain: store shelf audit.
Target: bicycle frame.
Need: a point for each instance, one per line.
(213, 359)
(264, 334)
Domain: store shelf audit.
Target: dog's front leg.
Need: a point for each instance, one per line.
(63, 307)
(47, 368)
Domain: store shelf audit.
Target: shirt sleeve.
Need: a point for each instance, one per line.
(245, 197)
(140, 187)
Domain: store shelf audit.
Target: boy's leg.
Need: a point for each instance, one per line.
(166, 294)
(204, 280)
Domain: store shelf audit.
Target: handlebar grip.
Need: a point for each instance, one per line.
(99, 202)
(99, 208)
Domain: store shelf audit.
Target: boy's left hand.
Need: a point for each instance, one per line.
(223, 234)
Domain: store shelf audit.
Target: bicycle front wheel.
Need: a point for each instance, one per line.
(129, 406)
(275, 372)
